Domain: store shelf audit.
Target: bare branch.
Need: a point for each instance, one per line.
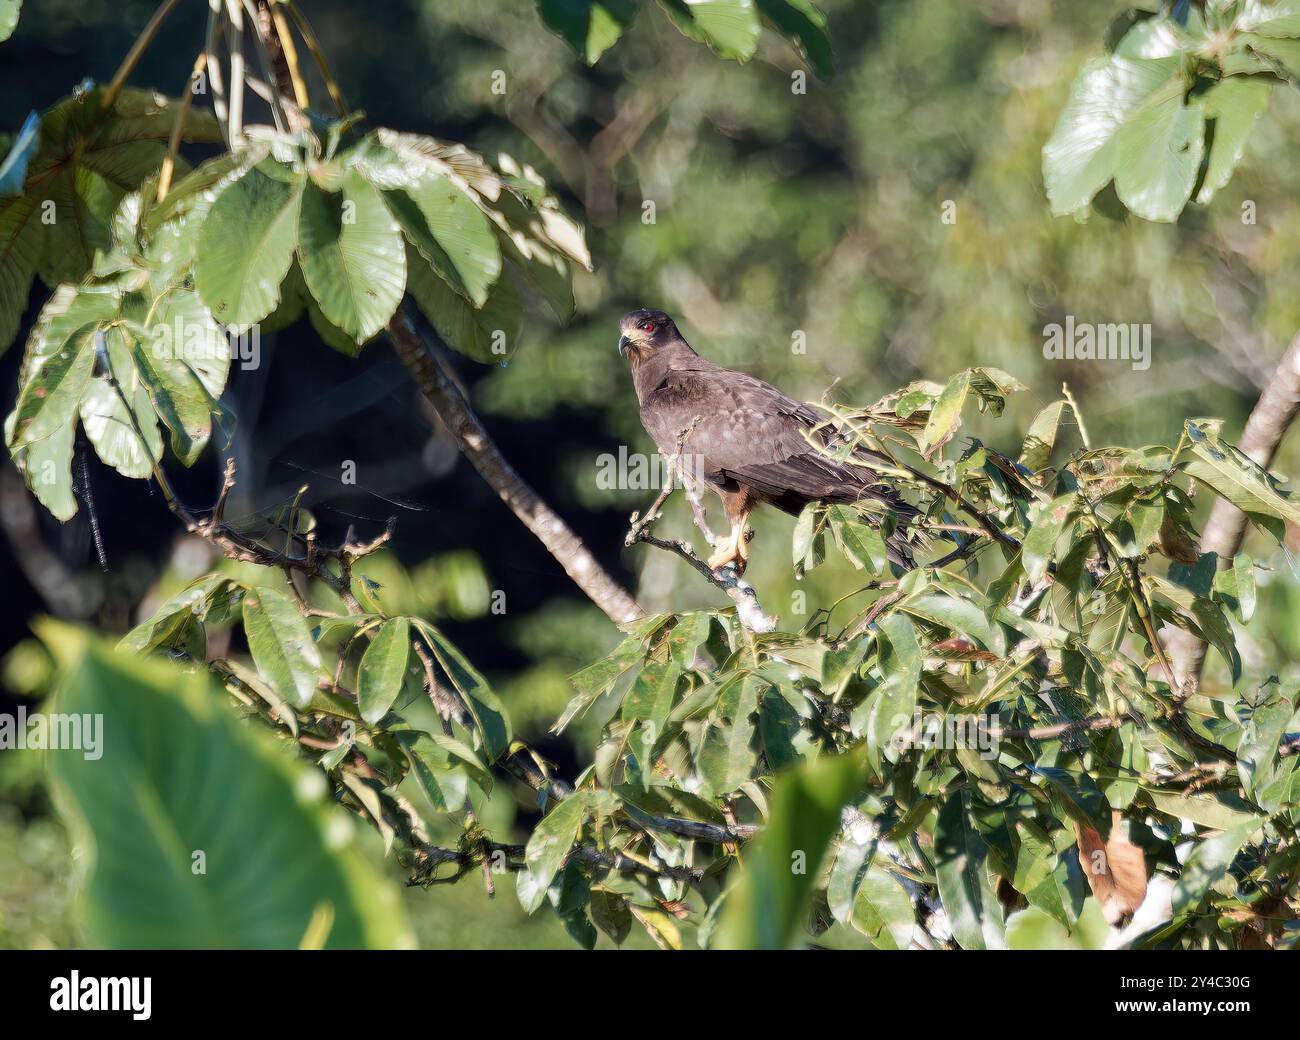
(740, 592)
(1226, 527)
(440, 389)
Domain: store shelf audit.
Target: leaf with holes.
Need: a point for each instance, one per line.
(352, 256)
(58, 363)
(451, 233)
(247, 242)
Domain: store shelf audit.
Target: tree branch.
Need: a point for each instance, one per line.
(740, 592)
(445, 396)
(239, 545)
(438, 387)
(1226, 527)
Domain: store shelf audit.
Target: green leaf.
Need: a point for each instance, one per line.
(767, 908)
(549, 844)
(193, 194)
(439, 772)
(1133, 763)
(1266, 725)
(352, 257)
(841, 664)
(1034, 929)
(1040, 542)
(1208, 864)
(382, 668)
(801, 21)
(58, 362)
(90, 157)
(649, 701)
(687, 636)
(891, 706)
(1078, 796)
(20, 248)
(1275, 55)
(46, 466)
(842, 880)
(785, 741)
(1219, 811)
(1218, 632)
(1243, 573)
(9, 17)
(610, 913)
(197, 830)
(882, 910)
(598, 677)
(862, 545)
(488, 334)
(1233, 105)
(726, 760)
(958, 615)
(1082, 154)
(491, 723)
(730, 28)
(451, 233)
(281, 645)
(118, 415)
(590, 27)
(1158, 153)
(1281, 18)
(809, 544)
(1038, 873)
(247, 242)
(945, 416)
(525, 243)
(1040, 440)
(1139, 529)
(1236, 477)
(184, 365)
(168, 620)
(965, 885)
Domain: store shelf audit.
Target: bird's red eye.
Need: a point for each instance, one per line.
(647, 326)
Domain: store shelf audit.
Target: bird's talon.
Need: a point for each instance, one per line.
(728, 557)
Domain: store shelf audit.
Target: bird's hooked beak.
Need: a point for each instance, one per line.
(623, 344)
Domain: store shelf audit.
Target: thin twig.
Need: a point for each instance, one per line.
(237, 73)
(290, 56)
(278, 112)
(740, 592)
(138, 48)
(309, 38)
(216, 31)
(178, 126)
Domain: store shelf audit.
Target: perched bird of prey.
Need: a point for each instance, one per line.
(750, 441)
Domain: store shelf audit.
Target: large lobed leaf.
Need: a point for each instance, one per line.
(197, 830)
(1144, 115)
(88, 159)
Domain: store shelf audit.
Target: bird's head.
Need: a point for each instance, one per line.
(645, 331)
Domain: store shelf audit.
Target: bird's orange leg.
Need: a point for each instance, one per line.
(734, 550)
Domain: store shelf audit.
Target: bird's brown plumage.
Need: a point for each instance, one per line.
(750, 440)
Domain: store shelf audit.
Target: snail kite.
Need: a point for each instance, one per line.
(746, 439)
